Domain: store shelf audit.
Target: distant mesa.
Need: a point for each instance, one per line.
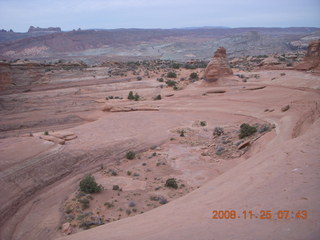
(38, 29)
(218, 66)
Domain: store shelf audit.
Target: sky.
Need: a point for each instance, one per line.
(19, 15)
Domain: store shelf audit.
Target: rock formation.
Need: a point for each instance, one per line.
(312, 59)
(49, 29)
(218, 66)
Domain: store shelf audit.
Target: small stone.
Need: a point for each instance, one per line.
(285, 108)
(66, 228)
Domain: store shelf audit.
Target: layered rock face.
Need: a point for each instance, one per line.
(218, 66)
(312, 58)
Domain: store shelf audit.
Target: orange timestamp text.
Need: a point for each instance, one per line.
(262, 214)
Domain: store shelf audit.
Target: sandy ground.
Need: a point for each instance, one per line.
(279, 171)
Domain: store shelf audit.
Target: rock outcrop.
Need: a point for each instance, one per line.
(49, 29)
(218, 66)
(312, 59)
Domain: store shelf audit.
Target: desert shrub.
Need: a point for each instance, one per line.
(46, 133)
(171, 75)
(181, 132)
(130, 96)
(189, 66)
(115, 187)
(132, 204)
(128, 211)
(171, 183)
(139, 78)
(203, 123)
(130, 155)
(108, 205)
(89, 185)
(157, 97)
(136, 97)
(163, 200)
(154, 198)
(129, 173)
(194, 76)
(171, 83)
(218, 131)
(85, 203)
(246, 130)
(176, 65)
(160, 80)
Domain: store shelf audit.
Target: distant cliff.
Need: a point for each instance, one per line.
(49, 29)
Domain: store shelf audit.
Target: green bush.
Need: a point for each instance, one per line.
(171, 183)
(160, 79)
(246, 130)
(171, 83)
(89, 185)
(189, 66)
(176, 65)
(171, 75)
(115, 187)
(130, 155)
(194, 76)
(134, 97)
(130, 96)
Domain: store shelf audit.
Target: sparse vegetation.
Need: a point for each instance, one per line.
(134, 97)
(89, 185)
(181, 132)
(176, 65)
(203, 123)
(171, 183)
(218, 131)
(130, 155)
(171, 83)
(194, 76)
(246, 130)
(46, 133)
(132, 204)
(109, 205)
(171, 75)
(115, 187)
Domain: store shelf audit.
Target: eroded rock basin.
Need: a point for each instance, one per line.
(33, 197)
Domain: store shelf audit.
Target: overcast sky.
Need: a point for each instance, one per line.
(72, 14)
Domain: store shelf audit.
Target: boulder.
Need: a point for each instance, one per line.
(218, 66)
